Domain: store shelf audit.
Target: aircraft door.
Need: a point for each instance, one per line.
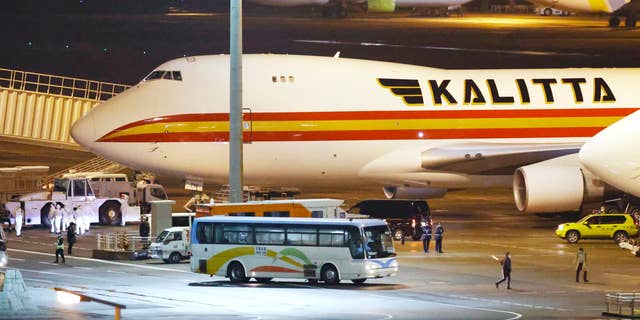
(247, 125)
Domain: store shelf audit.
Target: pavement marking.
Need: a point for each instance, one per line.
(49, 263)
(506, 302)
(84, 268)
(111, 271)
(16, 259)
(378, 44)
(101, 261)
(61, 274)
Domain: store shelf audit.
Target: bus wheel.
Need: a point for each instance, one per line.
(264, 280)
(175, 258)
(358, 281)
(236, 273)
(330, 275)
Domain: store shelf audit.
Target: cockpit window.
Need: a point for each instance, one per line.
(167, 75)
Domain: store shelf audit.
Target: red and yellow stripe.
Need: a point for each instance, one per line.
(373, 125)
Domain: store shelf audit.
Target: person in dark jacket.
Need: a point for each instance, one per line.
(59, 248)
(506, 270)
(426, 236)
(438, 235)
(144, 227)
(71, 236)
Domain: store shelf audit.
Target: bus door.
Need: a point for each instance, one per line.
(247, 125)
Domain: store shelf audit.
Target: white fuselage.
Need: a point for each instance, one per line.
(596, 6)
(332, 122)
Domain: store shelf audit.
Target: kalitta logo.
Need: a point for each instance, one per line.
(473, 92)
(409, 90)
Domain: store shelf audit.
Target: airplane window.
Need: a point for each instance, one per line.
(168, 76)
(274, 79)
(177, 75)
(155, 75)
(283, 79)
(290, 78)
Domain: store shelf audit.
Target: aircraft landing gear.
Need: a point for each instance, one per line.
(614, 22)
(630, 21)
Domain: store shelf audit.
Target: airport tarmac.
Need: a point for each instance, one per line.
(457, 284)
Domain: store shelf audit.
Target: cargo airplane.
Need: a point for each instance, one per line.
(339, 124)
(339, 8)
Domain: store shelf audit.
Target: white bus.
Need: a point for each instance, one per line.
(328, 250)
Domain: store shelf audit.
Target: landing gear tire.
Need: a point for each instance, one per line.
(620, 236)
(175, 258)
(236, 273)
(110, 214)
(630, 22)
(573, 236)
(44, 215)
(358, 281)
(614, 22)
(330, 275)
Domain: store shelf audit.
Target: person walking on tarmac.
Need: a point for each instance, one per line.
(581, 265)
(438, 235)
(71, 236)
(506, 270)
(426, 235)
(59, 249)
(19, 214)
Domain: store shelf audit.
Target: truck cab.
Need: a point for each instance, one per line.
(172, 245)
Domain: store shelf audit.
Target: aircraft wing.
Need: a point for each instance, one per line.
(492, 158)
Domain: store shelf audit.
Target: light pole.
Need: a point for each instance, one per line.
(235, 102)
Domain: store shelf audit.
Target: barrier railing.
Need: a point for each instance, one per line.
(59, 86)
(622, 304)
(123, 241)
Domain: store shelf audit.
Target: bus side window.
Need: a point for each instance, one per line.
(304, 236)
(316, 214)
(238, 233)
(333, 237)
(269, 234)
(205, 232)
(276, 213)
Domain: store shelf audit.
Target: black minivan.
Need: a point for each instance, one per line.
(404, 217)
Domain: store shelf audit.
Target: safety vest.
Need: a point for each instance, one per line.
(60, 244)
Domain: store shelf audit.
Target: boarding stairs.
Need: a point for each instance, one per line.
(40, 109)
(97, 164)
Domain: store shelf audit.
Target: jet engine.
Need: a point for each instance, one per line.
(381, 6)
(546, 188)
(394, 192)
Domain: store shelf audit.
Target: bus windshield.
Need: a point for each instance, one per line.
(378, 242)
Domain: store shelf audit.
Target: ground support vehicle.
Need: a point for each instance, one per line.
(405, 217)
(301, 208)
(117, 185)
(172, 245)
(264, 248)
(618, 227)
(632, 245)
(70, 193)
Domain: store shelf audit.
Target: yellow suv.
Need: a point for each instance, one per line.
(617, 226)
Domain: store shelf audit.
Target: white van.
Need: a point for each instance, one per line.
(172, 245)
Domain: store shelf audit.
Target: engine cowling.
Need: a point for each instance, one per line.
(394, 192)
(544, 188)
(381, 6)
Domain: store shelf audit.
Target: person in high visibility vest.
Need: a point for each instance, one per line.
(59, 248)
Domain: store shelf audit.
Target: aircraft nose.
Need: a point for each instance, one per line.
(84, 131)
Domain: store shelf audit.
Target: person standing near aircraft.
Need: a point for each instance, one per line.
(426, 235)
(19, 216)
(581, 265)
(57, 219)
(438, 235)
(53, 213)
(78, 219)
(71, 236)
(59, 248)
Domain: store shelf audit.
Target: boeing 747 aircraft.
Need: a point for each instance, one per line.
(339, 8)
(337, 123)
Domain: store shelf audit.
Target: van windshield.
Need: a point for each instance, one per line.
(162, 235)
(378, 242)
